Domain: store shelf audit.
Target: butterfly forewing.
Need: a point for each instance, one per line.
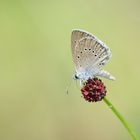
(76, 36)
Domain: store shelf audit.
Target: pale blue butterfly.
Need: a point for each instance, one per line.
(89, 55)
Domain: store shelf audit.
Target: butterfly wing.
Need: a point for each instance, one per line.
(89, 54)
(76, 36)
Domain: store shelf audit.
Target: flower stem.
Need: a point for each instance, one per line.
(120, 117)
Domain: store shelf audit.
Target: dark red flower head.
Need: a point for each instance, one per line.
(93, 90)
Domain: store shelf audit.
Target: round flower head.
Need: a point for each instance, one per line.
(93, 90)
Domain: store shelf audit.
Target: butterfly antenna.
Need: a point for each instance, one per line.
(68, 86)
(77, 85)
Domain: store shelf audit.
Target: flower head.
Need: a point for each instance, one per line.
(93, 90)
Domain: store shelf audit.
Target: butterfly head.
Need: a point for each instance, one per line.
(75, 77)
(81, 75)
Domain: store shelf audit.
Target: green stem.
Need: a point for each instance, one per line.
(120, 117)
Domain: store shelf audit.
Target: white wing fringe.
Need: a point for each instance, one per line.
(106, 74)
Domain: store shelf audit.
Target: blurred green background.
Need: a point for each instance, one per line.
(36, 67)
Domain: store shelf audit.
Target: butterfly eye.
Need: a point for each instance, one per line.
(95, 54)
(78, 56)
(89, 49)
(85, 49)
(93, 51)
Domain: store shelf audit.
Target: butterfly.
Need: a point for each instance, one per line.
(89, 55)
